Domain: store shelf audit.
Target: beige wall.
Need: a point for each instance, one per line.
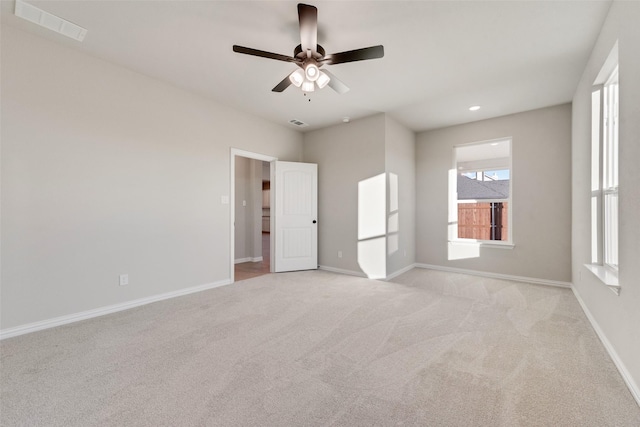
(248, 215)
(541, 179)
(256, 208)
(242, 221)
(400, 158)
(617, 317)
(106, 171)
(346, 154)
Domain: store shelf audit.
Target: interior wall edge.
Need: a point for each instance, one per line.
(401, 271)
(341, 271)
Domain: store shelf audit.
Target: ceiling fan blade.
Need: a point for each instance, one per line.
(280, 87)
(263, 54)
(365, 53)
(308, 18)
(335, 83)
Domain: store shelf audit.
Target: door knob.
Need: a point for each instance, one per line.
(314, 221)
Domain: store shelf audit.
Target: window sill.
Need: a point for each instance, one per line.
(483, 243)
(606, 275)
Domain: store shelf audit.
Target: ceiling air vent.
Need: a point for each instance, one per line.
(298, 123)
(49, 21)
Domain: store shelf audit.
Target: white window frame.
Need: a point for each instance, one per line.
(453, 196)
(604, 174)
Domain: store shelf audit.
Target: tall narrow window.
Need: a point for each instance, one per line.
(483, 191)
(610, 170)
(604, 173)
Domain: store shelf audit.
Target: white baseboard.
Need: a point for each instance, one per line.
(361, 274)
(624, 372)
(401, 271)
(83, 315)
(247, 259)
(341, 271)
(455, 270)
(497, 275)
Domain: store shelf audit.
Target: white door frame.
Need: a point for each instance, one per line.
(232, 200)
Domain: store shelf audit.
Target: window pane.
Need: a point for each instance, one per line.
(470, 175)
(611, 229)
(496, 175)
(595, 140)
(614, 135)
(610, 142)
(486, 189)
(594, 230)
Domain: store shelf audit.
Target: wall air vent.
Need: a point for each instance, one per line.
(298, 123)
(49, 21)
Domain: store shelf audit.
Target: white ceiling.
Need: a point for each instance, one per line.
(440, 56)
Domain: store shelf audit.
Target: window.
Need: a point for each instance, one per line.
(483, 192)
(604, 174)
(610, 170)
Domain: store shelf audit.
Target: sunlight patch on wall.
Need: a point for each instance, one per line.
(372, 202)
(372, 226)
(394, 225)
(393, 243)
(393, 192)
(372, 257)
(393, 222)
(464, 250)
(457, 250)
(393, 239)
(453, 204)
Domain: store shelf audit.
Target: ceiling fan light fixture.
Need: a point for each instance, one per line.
(312, 72)
(310, 56)
(323, 80)
(297, 78)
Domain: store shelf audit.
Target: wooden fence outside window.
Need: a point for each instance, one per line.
(483, 221)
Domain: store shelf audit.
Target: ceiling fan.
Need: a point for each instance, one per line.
(310, 57)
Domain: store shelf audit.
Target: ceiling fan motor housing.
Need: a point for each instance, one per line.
(317, 55)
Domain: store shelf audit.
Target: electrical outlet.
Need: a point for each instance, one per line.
(124, 279)
(339, 254)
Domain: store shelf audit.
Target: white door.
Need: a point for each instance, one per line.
(295, 225)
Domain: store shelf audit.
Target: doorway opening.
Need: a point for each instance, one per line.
(250, 244)
(252, 218)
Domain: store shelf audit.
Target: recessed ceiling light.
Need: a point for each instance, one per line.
(345, 120)
(474, 108)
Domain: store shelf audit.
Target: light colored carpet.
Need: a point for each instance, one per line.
(316, 348)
